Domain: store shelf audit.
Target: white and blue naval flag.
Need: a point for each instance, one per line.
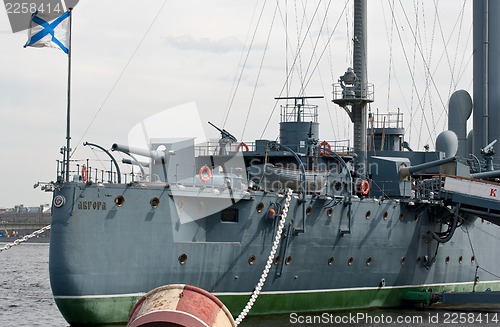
(52, 34)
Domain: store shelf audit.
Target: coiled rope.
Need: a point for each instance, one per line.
(270, 259)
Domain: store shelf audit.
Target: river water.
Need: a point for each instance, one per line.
(26, 300)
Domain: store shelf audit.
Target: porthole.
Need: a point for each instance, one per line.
(119, 200)
(386, 215)
(331, 260)
(154, 202)
(329, 212)
(369, 261)
(403, 261)
(447, 260)
(183, 258)
(309, 210)
(472, 259)
(251, 260)
(288, 260)
(276, 260)
(368, 214)
(260, 207)
(460, 259)
(401, 216)
(350, 261)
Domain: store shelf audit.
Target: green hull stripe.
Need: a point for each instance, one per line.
(108, 309)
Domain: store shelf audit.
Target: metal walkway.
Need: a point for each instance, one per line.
(474, 196)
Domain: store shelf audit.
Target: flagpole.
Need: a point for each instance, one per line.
(68, 117)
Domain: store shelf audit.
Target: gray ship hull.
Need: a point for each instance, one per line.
(104, 256)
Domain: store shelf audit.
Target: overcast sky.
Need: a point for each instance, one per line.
(193, 52)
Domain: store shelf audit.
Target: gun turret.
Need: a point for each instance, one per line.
(407, 171)
(153, 154)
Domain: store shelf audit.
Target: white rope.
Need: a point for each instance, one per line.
(270, 259)
(25, 238)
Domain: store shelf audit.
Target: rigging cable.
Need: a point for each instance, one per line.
(313, 55)
(244, 65)
(408, 65)
(318, 60)
(260, 70)
(429, 75)
(390, 36)
(119, 76)
(291, 69)
(293, 65)
(451, 66)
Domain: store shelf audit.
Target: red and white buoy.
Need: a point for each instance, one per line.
(180, 305)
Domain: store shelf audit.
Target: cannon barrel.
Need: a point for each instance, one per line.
(153, 154)
(407, 171)
(486, 174)
(130, 162)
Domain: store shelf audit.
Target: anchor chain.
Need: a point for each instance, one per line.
(25, 238)
(270, 259)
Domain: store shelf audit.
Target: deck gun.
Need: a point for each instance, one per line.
(410, 170)
(226, 138)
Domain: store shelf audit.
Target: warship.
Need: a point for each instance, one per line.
(341, 228)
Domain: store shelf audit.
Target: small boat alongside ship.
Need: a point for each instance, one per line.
(375, 225)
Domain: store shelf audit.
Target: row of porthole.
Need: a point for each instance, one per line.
(329, 212)
(154, 202)
(331, 260)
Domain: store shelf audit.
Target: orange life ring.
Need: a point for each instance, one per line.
(323, 145)
(242, 144)
(205, 173)
(85, 173)
(364, 187)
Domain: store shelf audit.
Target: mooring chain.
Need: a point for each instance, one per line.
(270, 260)
(25, 238)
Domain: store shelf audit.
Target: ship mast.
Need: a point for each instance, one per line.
(353, 92)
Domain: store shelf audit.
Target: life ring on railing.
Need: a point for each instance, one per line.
(242, 145)
(205, 173)
(85, 173)
(364, 187)
(323, 145)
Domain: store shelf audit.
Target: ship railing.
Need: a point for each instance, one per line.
(480, 165)
(386, 120)
(426, 188)
(299, 113)
(84, 171)
(341, 147)
(212, 148)
(361, 92)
